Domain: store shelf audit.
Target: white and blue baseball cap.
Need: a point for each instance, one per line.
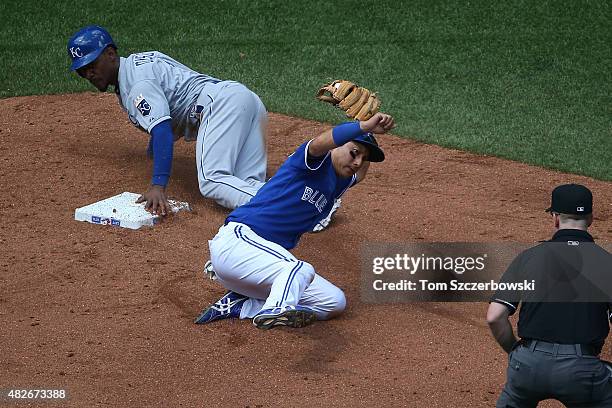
(87, 44)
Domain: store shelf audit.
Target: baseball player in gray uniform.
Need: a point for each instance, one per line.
(169, 100)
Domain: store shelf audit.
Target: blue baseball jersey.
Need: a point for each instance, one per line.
(301, 193)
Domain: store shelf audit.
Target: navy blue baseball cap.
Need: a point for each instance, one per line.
(573, 199)
(375, 153)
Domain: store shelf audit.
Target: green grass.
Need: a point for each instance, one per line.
(529, 81)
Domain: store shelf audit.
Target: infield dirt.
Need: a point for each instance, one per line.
(106, 313)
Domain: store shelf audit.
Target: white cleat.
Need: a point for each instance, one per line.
(290, 316)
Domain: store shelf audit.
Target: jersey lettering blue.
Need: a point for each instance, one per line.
(314, 197)
(143, 58)
(293, 201)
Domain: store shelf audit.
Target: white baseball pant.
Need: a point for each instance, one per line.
(269, 275)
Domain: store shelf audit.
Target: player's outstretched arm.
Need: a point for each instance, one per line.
(379, 123)
(162, 141)
(339, 135)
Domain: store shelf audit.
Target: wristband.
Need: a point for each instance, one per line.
(346, 132)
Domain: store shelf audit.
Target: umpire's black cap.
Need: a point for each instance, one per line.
(375, 153)
(573, 199)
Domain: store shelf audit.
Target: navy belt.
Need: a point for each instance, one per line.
(560, 349)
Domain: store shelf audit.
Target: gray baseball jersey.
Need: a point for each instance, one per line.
(225, 117)
(154, 87)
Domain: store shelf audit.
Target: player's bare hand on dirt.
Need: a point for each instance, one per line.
(379, 123)
(155, 200)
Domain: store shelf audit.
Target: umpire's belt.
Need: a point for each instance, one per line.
(560, 349)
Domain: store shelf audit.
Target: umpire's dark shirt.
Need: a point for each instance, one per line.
(556, 322)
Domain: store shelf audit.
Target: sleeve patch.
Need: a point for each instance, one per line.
(142, 105)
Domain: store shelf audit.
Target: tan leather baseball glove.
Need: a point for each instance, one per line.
(358, 102)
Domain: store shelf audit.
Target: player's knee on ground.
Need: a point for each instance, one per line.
(226, 190)
(333, 305)
(208, 186)
(308, 273)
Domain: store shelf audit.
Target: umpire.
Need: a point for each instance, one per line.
(557, 355)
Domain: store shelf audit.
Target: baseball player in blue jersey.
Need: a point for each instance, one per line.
(169, 100)
(250, 253)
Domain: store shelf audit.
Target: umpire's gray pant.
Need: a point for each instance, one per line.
(573, 379)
